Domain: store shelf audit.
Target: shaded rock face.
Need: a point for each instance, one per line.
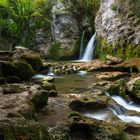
(113, 27)
(64, 28)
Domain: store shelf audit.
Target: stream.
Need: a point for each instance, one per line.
(80, 83)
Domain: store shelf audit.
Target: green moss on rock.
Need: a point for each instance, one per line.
(23, 131)
(120, 49)
(24, 70)
(40, 99)
(33, 59)
(13, 79)
(2, 80)
(9, 68)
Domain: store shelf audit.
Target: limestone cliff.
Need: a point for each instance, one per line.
(65, 29)
(118, 26)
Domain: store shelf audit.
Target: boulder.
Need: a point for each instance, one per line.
(113, 60)
(92, 101)
(28, 56)
(14, 88)
(112, 75)
(79, 127)
(133, 87)
(47, 86)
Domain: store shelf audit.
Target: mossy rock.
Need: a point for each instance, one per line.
(33, 59)
(120, 49)
(2, 80)
(40, 100)
(47, 86)
(9, 68)
(134, 89)
(119, 87)
(13, 79)
(26, 130)
(24, 70)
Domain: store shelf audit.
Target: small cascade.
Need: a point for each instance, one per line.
(88, 54)
(81, 45)
(50, 72)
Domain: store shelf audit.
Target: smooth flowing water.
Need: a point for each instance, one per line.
(81, 46)
(79, 83)
(88, 54)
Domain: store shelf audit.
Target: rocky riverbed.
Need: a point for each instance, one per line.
(92, 100)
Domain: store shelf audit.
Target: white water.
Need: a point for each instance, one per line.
(100, 115)
(88, 54)
(81, 45)
(50, 72)
(127, 105)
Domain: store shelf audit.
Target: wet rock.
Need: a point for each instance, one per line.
(48, 86)
(90, 101)
(40, 99)
(79, 127)
(114, 60)
(118, 87)
(48, 79)
(14, 88)
(112, 75)
(52, 93)
(134, 88)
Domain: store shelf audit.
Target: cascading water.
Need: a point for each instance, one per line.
(81, 46)
(88, 54)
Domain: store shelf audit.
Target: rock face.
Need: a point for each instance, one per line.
(112, 27)
(64, 29)
(118, 29)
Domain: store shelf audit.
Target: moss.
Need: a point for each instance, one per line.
(40, 99)
(120, 49)
(23, 131)
(33, 59)
(54, 51)
(24, 70)
(13, 79)
(2, 80)
(9, 68)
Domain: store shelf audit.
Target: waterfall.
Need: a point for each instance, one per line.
(81, 45)
(88, 54)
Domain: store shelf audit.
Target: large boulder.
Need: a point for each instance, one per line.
(28, 56)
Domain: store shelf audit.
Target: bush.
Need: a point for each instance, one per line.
(24, 70)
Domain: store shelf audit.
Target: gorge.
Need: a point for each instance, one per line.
(69, 70)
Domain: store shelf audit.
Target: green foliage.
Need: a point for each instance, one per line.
(33, 59)
(114, 8)
(19, 20)
(121, 49)
(85, 9)
(24, 70)
(54, 51)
